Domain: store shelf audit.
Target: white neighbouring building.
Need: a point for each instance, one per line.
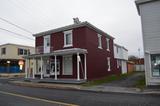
(149, 11)
(121, 55)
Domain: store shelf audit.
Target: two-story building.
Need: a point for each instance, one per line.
(121, 55)
(150, 18)
(77, 51)
(11, 57)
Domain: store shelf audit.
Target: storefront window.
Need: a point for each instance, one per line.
(155, 65)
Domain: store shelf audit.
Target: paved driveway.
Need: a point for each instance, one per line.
(126, 82)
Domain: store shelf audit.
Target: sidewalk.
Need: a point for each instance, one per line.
(12, 75)
(100, 88)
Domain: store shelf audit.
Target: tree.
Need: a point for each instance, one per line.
(132, 57)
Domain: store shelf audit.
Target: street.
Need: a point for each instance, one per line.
(11, 95)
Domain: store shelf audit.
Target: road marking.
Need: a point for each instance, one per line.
(39, 99)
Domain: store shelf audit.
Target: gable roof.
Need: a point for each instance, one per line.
(139, 2)
(68, 27)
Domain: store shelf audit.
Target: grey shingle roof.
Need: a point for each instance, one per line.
(68, 27)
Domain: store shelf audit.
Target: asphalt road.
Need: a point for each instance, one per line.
(11, 95)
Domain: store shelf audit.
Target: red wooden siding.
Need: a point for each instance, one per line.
(86, 38)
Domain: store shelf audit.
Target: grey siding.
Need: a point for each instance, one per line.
(150, 16)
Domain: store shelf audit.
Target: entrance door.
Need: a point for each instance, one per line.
(46, 44)
(52, 67)
(67, 65)
(46, 68)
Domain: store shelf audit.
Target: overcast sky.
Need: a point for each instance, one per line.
(119, 18)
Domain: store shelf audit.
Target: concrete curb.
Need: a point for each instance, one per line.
(44, 85)
(81, 88)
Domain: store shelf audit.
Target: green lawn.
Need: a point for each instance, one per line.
(106, 79)
(141, 83)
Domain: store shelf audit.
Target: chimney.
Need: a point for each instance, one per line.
(76, 20)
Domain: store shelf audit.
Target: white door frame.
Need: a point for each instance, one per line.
(46, 49)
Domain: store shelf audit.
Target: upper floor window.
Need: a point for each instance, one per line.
(3, 51)
(20, 51)
(109, 64)
(107, 40)
(117, 49)
(68, 40)
(99, 41)
(23, 51)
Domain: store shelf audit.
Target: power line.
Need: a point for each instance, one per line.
(15, 25)
(16, 33)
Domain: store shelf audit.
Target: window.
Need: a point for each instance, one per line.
(109, 64)
(47, 42)
(20, 51)
(68, 38)
(117, 49)
(155, 65)
(107, 40)
(23, 51)
(3, 51)
(99, 41)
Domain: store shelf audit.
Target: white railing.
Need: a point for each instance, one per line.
(40, 49)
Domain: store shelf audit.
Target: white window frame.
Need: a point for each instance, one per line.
(99, 41)
(65, 33)
(109, 63)
(107, 40)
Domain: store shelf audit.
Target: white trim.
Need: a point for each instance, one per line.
(26, 68)
(68, 32)
(109, 63)
(85, 67)
(78, 72)
(34, 68)
(107, 40)
(99, 41)
(41, 68)
(55, 66)
(29, 68)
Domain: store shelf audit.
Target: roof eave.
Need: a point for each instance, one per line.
(139, 2)
(71, 27)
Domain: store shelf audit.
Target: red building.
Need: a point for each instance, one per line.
(77, 51)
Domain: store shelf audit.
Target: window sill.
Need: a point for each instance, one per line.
(67, 46)
(100, 47)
